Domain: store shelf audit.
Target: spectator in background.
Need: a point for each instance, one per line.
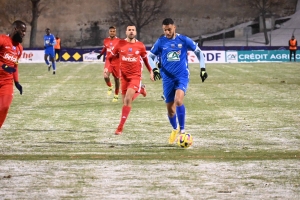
(293, 47)
(57, 48)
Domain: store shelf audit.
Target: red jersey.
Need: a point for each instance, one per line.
(109, 44)
(10, 52)
(130, 57)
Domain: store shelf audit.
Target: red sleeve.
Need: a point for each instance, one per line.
(145, 59)
(103, 51)
(16, 65)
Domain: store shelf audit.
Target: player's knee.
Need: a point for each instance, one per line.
(178, 101)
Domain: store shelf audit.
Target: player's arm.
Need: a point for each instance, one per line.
(156, 73)
(101, 53)
(53, 41)
(16, 75)
(201, 58)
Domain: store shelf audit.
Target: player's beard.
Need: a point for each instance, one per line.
(17, 38)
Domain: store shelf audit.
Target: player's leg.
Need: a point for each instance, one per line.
(181, 88)
(129, 88)
(291, 53)
(116, 75)
(52, 59)
(47, 61)
(6, 97)
(169, 93)
(142, 91)
(106, 75)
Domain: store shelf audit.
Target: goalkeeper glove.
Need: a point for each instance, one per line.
(156, 74)
(8, 68)
(203, 74)
(99, 56)
(19, 87)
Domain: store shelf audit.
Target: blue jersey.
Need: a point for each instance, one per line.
(49, 41)
(173, 54)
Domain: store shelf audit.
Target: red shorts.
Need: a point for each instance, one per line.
(6, 88)
(113, 69)
(131, 82)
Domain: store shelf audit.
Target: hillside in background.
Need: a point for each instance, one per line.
(85, 23)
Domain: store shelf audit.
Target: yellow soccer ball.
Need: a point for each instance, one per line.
(185, 140)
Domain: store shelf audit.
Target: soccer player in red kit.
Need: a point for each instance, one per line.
(10, 52)
(129, 52)
(113, 66)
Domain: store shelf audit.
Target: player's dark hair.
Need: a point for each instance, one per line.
(18, 23)
(168, 21)
(47, 29)
(112, 27)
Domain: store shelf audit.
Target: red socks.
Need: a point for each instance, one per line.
(124, 116)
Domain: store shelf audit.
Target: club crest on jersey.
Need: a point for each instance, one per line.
(130, 49)
(173, 45)
(179, 45)
(14, 48)
(174, 56)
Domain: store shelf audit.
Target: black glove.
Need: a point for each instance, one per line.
(99, 56)
(8, 68)
(156, 74)
(203, 74)
(19, 87)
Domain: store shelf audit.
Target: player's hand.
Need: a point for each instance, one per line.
(8, 68)
(19, 87)
(203, 74)
(156, 74)
(99, 56)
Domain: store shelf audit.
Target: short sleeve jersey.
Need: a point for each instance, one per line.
(10, 53)
(173, 53)
(109, 44)
(49, 41)
(130, 57)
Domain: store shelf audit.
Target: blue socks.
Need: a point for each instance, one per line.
(180, 114)
(180, 110)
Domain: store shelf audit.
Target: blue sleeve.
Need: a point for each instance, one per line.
(155, 49)
(191, 45)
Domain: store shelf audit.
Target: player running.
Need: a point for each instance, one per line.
(173, 49)
(129, 52)
(10, 52)
(49, 43)
(112, 67)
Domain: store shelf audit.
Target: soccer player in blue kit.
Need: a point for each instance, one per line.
(49, 43)
(172, 49)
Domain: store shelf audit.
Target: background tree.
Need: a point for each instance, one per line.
(25, 10)
(137, 12)
(264, 7)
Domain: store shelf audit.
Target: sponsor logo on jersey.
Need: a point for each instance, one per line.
(173, 56)
(137, 52)
(10, 57)
(129, 59)
(179, 45)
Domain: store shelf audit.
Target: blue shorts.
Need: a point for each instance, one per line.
(170, 85)
(50, 52)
